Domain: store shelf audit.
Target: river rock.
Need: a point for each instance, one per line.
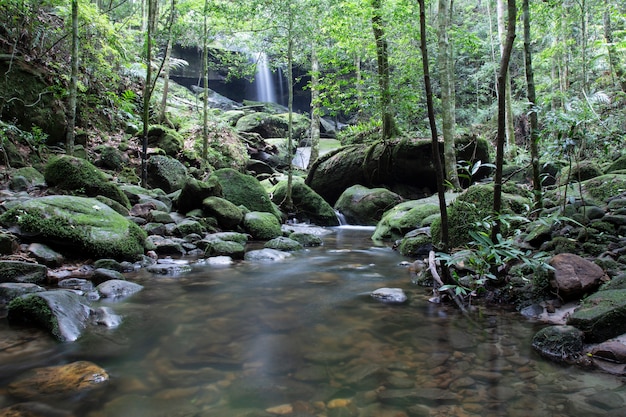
(389, 295)
(306, 239)
(559, 343)
(244, 190)
(77, 225)
(227, 214)
(218, 247)
(271, 255)
(116, 288)
(195, 191)
(402, 218)
(11, 290)
(166, 173)
(308, 206)
(601, 316)
(262, 225)
(284, 244)
(44, 255)
(25, 272)
(574, 276)
(365, 206)
(61, 312)
(59, 381)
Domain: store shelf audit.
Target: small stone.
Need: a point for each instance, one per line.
(389, 295)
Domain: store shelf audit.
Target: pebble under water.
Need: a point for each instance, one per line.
(302, 337)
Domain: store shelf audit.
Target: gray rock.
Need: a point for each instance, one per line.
(16, 271)
(118, 288)
(270, 255)
(601, 316)
(101, 275)
(44, 255)
(389, 295)
(11, 290)
(365, 206)
(284, 244)
(170, 268)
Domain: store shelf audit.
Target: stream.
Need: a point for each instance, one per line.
(302, 337)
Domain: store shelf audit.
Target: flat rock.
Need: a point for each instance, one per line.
(601, 316)
(389, 295)
(574, 276)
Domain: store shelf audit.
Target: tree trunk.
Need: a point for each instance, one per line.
(501, 136)
(617, 70)
(445, 238)
(446, 77)
(382, 56)
(359, 86)
(205, 79)
(166, 63)
(71, 125)
(315, 107)
(147, 89)
(509, 122)
(288, 201)
(532, 103)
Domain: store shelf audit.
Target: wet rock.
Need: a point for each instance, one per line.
(25, 272)
(166, 173)
(44, 255)
(228, 215)
(601, 315)
(169, 268)
(166, 246)
(271, 255)
(59, 381)
(102, 274)
(574, 276)
(389, 295)
(365, 206)
(309, 206)
(612, 351)
(559, 343)
(33, 409)
(306, 239)
(105, 316)
(244, 190)
(116, 288)
(195, 191)
(262, 225)
(11, 290)
(284, 244)
(404, 217)
(218, 247)
(61, 312)
(78, 284)
(606, 400)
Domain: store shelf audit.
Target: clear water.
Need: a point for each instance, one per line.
(304, 336)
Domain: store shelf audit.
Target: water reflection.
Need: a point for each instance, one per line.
(303, 338)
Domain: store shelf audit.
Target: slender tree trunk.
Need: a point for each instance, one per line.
(532, 103)
(315, 106)
(509, 122)
(583, 42)
(166, 63)
(147, 90)
(359, 85)
(288, 202)
(205, 79)
(446, 77)
(617, 70)
(71, 125)
(501, 137)
(445, 238)
(382, 55)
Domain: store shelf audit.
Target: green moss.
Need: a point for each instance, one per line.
(414, 246)
(403, 218)
(580, 172)
(244, 190)
(35, 310)
(604, 187)
(262, 226)
(309, 206)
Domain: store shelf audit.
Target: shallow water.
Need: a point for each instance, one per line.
(304, 336)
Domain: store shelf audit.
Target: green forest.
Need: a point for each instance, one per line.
(364, 208)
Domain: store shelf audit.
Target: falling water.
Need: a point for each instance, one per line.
(264, 81)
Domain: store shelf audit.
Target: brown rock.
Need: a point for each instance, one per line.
(63, 380)
(574, 276)
(613, 351)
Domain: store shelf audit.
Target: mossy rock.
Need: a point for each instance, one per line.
(165, 138)
(244, 190)
(559, 343)
(403, 218)
(218, 247)
(414, 246)
(227, 214)
(471, 208)
(166, 173)
(262, 225)
(581, 171)
(309, 206)
(604, 187)
(111, 158)
(601, 315)
(283, 243)
(618, 165)
(77, 225)
(195, 191)
(306, 239)
(23, 272)
(365, 206)
(81, 177)
(32, 177)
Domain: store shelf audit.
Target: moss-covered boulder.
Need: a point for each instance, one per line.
(617, 165)
(169, 140)
(80, 177)
(61, 312)
(78, 226)
(559, 343)
(598, 190)
(306, 239)
(284, 244)
(403, 218)
(23, 272)
(416, 245)
(601, 315)
(581, 171)
(218, 247)
(166, 173)
(111, 158)
(244, 190)
(309, 206)
(366, 206)
(273, 125)
(23, 178)
(262, 225)
(227, 214)
(195, 191)
(473, 207)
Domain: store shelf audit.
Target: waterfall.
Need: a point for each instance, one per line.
(265, 90)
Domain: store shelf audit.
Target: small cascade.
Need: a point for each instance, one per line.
(264, 80)
(341, 218)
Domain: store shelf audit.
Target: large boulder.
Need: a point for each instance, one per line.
(77, 225)
(601, 315)
(403, 218)
(244, 190)
(81, 177)
(166, 173)
(309, 206)
(61, 312)
(573, 276)
(273, 125)
(404, 166)
(169, 140)
(366, 206)
(261, 226)
(195, 191)
(227, 214)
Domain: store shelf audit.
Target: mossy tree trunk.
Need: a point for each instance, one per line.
(147, 89)
(71, 125)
